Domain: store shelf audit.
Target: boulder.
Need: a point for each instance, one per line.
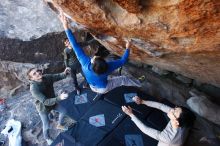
(184, 79)
(27, 20)
(13, 76)
(201, 105)
(181, 36)
(159, 71)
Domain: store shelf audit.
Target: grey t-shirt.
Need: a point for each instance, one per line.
(169, 136)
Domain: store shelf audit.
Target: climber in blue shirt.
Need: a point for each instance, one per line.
(96, 69)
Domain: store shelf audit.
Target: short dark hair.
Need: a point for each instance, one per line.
(99, 66)
(65, 39)
(186, 118)
(28, 73)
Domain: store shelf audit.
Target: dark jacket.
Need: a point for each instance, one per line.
(44, 93)
(70, 57)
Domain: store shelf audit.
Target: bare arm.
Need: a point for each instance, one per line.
(152, 104)
(165, 136)
(157, 105)
(145, 129)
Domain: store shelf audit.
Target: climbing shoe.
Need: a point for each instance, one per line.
(141, 78)
(61, 127)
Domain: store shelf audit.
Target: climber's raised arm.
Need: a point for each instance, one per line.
(80, 54)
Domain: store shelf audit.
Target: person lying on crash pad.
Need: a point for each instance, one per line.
(176, 131)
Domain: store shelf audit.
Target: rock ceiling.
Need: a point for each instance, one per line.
(182, 36)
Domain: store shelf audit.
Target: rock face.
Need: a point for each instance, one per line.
(48, 48)
(18, 56)
(205, 108)
(204, 105)
(26, 20)
(176, 35)
(13, 76)
(45, 49)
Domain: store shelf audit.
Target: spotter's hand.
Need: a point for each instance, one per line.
(137, 100)
(127, 110)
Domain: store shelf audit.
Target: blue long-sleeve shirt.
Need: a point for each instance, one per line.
(98, 81)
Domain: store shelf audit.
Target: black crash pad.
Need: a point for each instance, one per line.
(65, 139)
(117, 97)
(112, 114)
(128, 134)
(87, 134)
(157, 118)
(118, 128)
(82, 134)
(76, 111)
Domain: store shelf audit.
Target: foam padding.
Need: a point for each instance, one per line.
(117, 129)
(87, 134)
(112, 114)
(123, 135)
(116, 97)
(158, 119)
(76, 111)
(65, 139)
(166, 102)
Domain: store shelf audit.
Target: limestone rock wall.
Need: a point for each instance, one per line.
(17, 56)
(13, 77)
(45, 49)
(26, 19)
(176, 35)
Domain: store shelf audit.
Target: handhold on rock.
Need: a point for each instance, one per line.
(150, 48)
(184, 79)
(159, 71)
(107, 38)
(130, 6)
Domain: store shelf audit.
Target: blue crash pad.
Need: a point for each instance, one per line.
(82, 134)
(102, 122)
(120, 96)
(159, 119)
(112, 115)
(77, 106)
(128, 134)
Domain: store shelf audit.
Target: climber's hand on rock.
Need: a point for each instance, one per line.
(127, 43)
(64, 20)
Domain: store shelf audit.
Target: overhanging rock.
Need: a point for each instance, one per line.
(177, 35)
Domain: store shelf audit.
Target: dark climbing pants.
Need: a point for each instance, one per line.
(76, 68)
